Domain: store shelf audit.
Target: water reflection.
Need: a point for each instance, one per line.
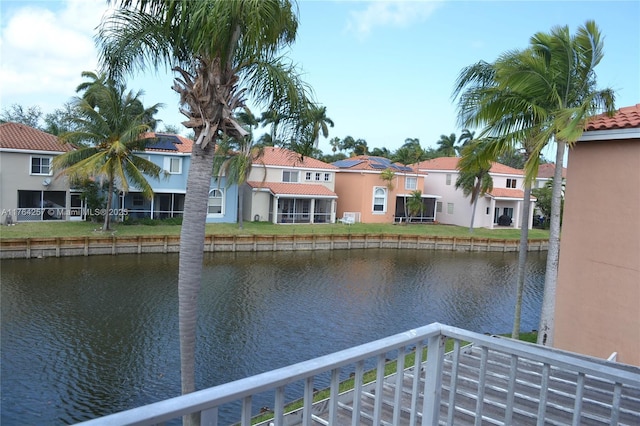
(84, 337)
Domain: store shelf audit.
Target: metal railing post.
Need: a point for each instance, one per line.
(433, 380)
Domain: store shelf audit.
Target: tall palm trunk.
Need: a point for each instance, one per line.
(522, 259)
(241, 205)
(476, 191)
(107, 215)
(547, 314)
(191, 257)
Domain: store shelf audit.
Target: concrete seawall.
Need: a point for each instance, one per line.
(27, 248)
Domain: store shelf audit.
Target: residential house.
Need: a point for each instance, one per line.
(283, 187)
(506, 199)
(173, 154)
(366, 197)
(545, 174)
(29, 191)
(598, 291)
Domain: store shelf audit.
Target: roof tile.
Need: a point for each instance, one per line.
(285, 188)
(508, 193)
(277, 156)
(20, 136)
(624, 118)
(451, 163)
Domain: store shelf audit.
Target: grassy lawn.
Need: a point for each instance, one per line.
(81, 229)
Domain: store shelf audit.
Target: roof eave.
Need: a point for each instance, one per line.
(610, 134)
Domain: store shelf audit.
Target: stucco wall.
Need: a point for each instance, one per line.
(598, 290)
(355, 194)
(15, 175)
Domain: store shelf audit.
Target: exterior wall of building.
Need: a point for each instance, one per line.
(454, 209)
(598, 291)
(257, 204)
(15, 175)
(231, 200)
(355, 191)
(274, 174)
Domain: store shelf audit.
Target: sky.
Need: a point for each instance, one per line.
(385, 70)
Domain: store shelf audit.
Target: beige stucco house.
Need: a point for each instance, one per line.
(453, 208)
(29, 191)
(282, 187)
(598, 291)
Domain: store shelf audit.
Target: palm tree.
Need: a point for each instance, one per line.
(388, 175)
(111, 121)
(447, 145)
(484, 102)
(223, 53)
(474, 177)
(414, 203)
(465, 138)
(318, 122)
(545, 92)
(335, 144)
(236, 161)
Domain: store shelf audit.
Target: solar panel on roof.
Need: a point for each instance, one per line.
(166, 142)
(378, 166)
(380, 160)
(346, 163)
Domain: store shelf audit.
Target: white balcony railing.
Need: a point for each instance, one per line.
(481, 379)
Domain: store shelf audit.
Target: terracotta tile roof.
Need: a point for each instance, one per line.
(440, 163)
(286, 188)
(184, 145)
(373, 163)
(547, 170)
(508, 193)
(451, 163)
(624, 118)
(501, 168)
(20, 136)
(277, 156)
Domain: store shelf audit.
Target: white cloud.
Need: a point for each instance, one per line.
(397, 13)
(46, 45)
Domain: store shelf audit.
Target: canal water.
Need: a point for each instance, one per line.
(83, 337)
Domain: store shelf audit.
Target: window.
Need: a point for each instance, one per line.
(41, 166)
(438, 206)
(449, 208)
(327, 177)
(289, 176)
(448, 182)
(318, 176)
(214, 205)
(173, 165)
(307, 176)
(411, 183)
(379, 199)
(138, 200)
(511, 183)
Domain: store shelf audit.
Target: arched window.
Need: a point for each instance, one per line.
(215, 204)
(379, 199)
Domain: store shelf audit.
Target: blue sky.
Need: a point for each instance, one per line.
(384, 70)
